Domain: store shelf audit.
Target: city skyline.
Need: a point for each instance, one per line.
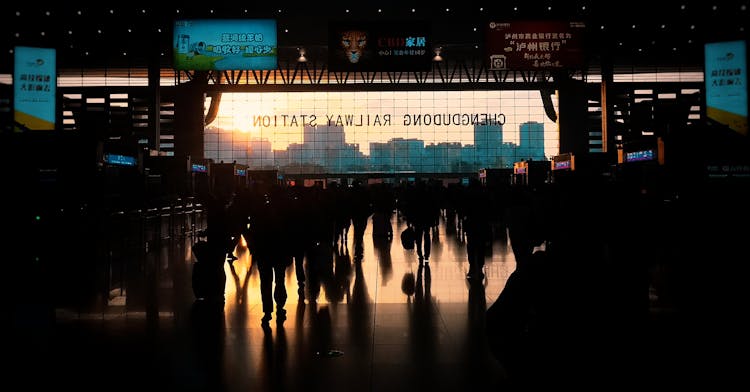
(379, 116)
(324, 148)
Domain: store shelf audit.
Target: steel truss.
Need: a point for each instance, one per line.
(444, 75)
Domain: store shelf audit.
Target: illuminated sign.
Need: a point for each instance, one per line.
(638, 156)
(119, 160)
(563, 162)
(240, 172)
(394, 46)
(726, 84)
(34, 88)
(535, 45)
(196, 168)
(225, 44)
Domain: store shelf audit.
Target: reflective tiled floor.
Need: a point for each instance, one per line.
(359, 328)
(364, 329)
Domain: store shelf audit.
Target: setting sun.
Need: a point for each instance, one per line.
(243, 122)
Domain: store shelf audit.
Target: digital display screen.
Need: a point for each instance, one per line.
(240, 172)
(120, 160)
(196, 168)
(638, 156)
(225, 44)
(34, 88)
(561, 165)
(726, 84)
(520, 167)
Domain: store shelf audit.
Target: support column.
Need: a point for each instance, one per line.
(572, 120)
(189, 116)
(154, 110)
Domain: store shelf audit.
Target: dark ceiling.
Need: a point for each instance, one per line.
(627, 33)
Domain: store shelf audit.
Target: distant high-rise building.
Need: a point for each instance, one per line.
(330, 136)
(531, 144)
(259, 153)
(397, 154)
(488, 137)
(438, 158)
(407, 153)
(322, 144)
(381, 156)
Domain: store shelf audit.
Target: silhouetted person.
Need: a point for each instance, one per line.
(421, 210)
(320, 248)
(342, 213)
(513, 323)
(208, 277)
(298, 235)
(268, 235)
(221, 228)
(477, 225)
(383, 204)
(361, 209)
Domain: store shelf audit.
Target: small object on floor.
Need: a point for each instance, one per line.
(329, 353)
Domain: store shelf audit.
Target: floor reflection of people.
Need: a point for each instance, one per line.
(477, 304)
(382, 247)
(422, 328)
(208, 339)
(476, 368)
(240, 284)
(321, 330)
(338, 289)
(360, 313)
(275, 358)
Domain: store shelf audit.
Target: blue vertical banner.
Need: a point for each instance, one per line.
(34, 88)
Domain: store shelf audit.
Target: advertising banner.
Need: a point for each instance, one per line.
(379, 46)
(225, 44)
(726, 84)
(34, 88)
(535, 45)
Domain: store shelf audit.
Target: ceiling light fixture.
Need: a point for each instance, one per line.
(438, 57)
